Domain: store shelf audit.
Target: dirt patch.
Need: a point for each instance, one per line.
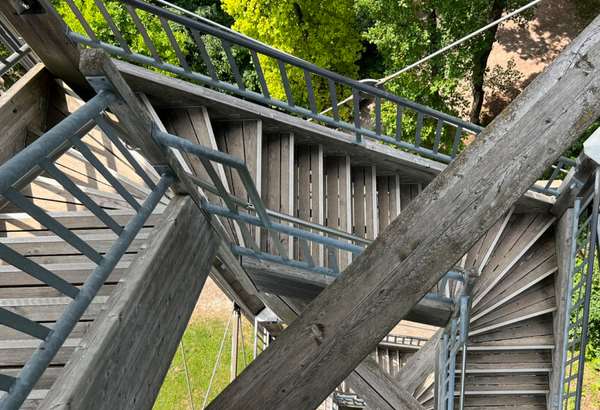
(212, 304)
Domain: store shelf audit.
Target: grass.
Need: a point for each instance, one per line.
(201, 341)
(591, 385)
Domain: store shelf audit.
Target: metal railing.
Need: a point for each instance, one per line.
(13, 50)
(417, 128)
(454, 339)
(41, 156)
(582, 261)
(254, 213)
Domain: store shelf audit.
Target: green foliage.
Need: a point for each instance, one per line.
(587, 9)
(208, 8)
(405, 31)
(201, 342)
(323, 33)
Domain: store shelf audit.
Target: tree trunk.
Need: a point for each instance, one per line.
(480, 59)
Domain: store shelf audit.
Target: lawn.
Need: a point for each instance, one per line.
(201, 342)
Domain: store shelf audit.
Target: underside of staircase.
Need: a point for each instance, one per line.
(278, 211)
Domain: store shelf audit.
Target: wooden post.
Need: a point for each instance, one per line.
(46, 34)
(124, 357)
(234, 341)
(564, 241)
(347, 320)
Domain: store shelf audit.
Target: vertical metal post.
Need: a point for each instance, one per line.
(588, 287)
(255, 343)
(464, 334)
(234, 342)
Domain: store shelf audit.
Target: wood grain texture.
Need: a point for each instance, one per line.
(46, 35)
(156, 299)
(343, 325)
(564, 234)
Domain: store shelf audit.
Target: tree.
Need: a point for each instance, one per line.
(210, 9)
(406, 30)
(323, 33)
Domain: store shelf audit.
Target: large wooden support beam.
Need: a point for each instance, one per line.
(347, 320)
(378, 389)
(46, 34)
(564, 241)
(419, 365)
(124, 358)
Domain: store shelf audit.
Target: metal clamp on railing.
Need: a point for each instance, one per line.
(41, 156)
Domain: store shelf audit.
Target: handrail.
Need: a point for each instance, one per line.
(416, 128)
(40, 156)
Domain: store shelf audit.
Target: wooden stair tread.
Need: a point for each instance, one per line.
(535, 266)
(521, 233)
(539, 298)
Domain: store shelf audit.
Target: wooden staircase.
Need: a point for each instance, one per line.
(511, 340)
(325, 181)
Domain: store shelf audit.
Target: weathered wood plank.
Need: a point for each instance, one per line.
(347, 320)
(46, 34)
(564, 240)
(22, 107)
(105, 373)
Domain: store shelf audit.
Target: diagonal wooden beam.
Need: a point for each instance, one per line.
(46, 34)
(368, 380)
(125, 356)
(347, 320)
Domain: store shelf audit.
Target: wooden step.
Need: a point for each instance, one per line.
(504, 402)
(478, 256)
(55, 245)
(18, 222)
(533, 331)
(536, 265)
(522, 232)
(538, 300)
(74, 273)
(490, 362)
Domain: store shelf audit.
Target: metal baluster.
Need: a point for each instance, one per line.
(147, 40)
(232, 64)
(438, 136)
(204, 55)
(167, 28)
(82, 20)
(311, 92)
(356, 109)
(286, 83)
(113, 27)
(334, 101)
(260, 74)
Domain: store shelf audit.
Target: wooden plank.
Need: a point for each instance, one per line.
(105, 372)
(347, 320)
(419, 365)
(23, 106)
(45, 33)
(378, 389)
(564, 241)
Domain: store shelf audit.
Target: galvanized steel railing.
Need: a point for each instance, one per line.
(253, 212)
(40, 157)
(582, 265)
(417, 128)
(454, 339)
(13, 50)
